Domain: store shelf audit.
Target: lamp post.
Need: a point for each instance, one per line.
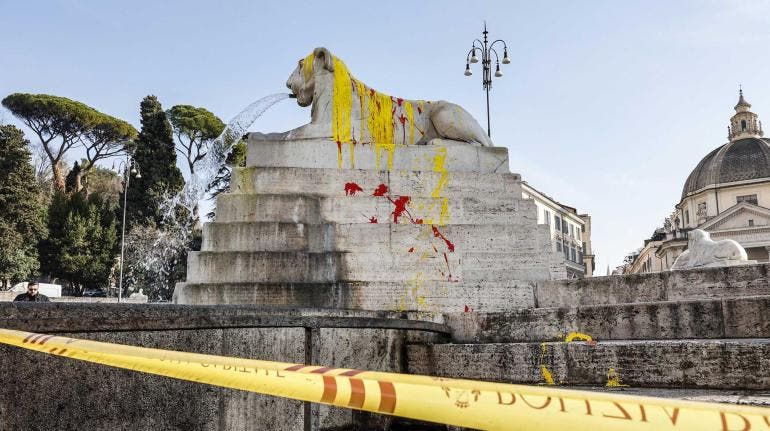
(486, 50)
(129, 167)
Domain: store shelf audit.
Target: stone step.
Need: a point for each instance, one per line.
(333, 182)
(325, 153)
(365, 237)
(232, 207)
(717, 364)
(759, 398)
(416, 295)
(438, 264)
(699, 283)
(747, 317)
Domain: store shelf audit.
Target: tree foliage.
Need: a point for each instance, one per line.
(21, 207)
(194, 129)
(62, 123)
(82, 241)
(156, 159)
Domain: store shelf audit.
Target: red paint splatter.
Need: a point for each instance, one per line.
(399, 101)
(380, 190)
(418, 221)
(419, 110)
(373, 219)
(352, 188)
(371, 92)
(438, 234)
(467, 309)
(591, 343)
(400, 207)
(411, 250)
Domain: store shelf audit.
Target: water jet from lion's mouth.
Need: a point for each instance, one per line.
(217, 151)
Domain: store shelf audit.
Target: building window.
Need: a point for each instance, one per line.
(743, 125)
(751, 222)
(558, 246)
(686, 218)
(547, 217)
(577, 231)
(571, 230)
(573, 255)
(556, 222)
(702, 211)
(564, 226)
(752, 199)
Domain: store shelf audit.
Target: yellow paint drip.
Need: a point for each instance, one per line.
(307, 67)
(361, 90)
(342, 107)
(547, 376)
(409, 111)
(439, 162)
(380, 124)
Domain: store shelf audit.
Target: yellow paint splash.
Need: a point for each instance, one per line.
(613, 379)
(577, 336)
(342, 107)
(307, 66)
(439, 165)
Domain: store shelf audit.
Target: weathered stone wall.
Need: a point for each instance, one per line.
(703, 283)
(40, 392)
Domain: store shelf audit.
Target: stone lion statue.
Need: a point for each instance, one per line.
(346, 110)
(703, 251)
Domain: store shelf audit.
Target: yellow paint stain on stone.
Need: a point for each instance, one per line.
(439, 162)
(443, 216)
(577, 336)
(380, 122)
(613, 379)
(307, 66)
(409, 111)
(547, 376)
(342, 107)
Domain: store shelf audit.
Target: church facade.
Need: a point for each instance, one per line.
(727, 195)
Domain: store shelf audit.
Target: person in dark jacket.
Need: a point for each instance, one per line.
(32, 294)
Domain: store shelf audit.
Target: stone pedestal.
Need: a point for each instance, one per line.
(432, 228)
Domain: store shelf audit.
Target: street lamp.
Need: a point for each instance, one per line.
(130, 167)
(486, 50)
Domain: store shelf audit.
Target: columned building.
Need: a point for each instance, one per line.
(570, 231)
(727, 195)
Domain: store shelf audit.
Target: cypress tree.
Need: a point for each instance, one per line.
(155, 156)
(22, 209)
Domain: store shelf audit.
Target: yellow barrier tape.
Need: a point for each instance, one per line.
(465, 403)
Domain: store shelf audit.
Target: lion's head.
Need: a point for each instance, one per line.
(301, 82)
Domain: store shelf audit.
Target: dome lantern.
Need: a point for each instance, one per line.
(744, 124)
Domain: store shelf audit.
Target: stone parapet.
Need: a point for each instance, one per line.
(45, 392)
(717, 364)
(746, 317)
(702, 283)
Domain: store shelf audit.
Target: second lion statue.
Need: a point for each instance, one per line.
(345, 110)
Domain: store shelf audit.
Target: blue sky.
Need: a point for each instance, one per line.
(606, 106)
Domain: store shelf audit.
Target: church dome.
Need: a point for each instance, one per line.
(739, 160)
(745, 157)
